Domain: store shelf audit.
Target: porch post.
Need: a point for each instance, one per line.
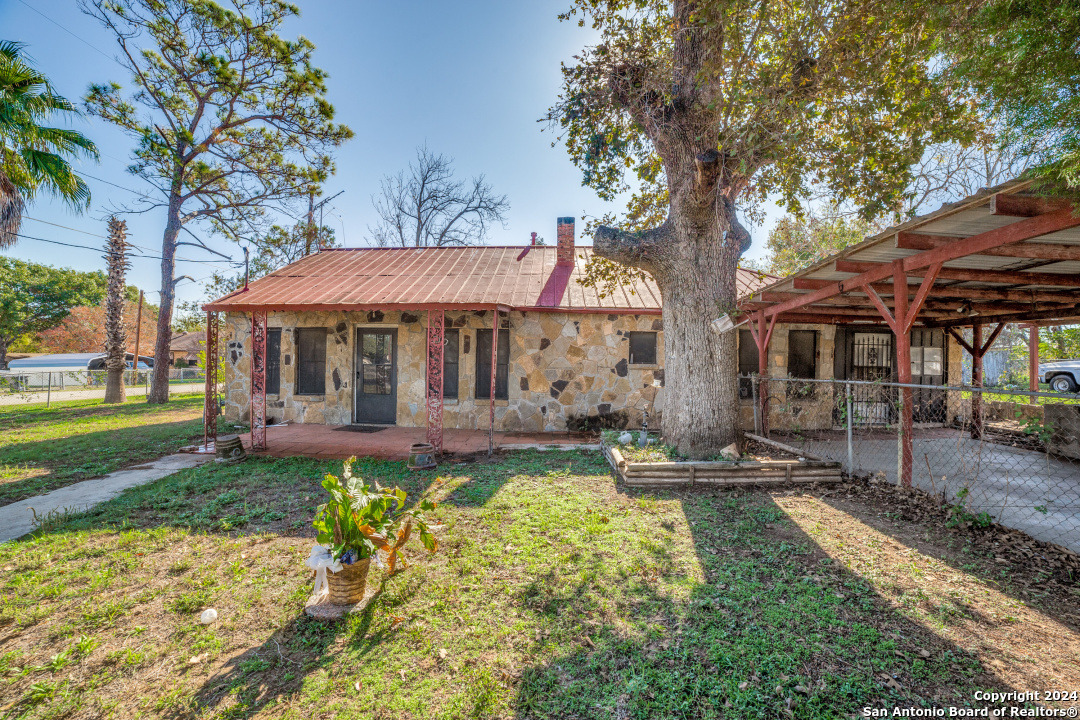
(435, 337)
(976, 381)
(210, 408)
(762, 334)
(1033, 358)
(902, 331)
(258, 380)
(491, 397)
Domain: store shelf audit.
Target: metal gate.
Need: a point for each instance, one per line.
(871, 361)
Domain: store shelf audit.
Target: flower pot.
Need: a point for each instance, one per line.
(347, 586)
(421, 456)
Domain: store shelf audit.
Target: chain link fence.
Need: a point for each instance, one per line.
(31, 388)
(994, 455)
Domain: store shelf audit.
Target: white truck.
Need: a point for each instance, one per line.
(1061, 375)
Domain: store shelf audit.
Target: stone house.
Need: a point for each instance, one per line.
(348, 340)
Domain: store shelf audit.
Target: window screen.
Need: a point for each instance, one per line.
(642, 348)
(483, 365)
(748, 363)
(273, 361)
(311, 361)
(450, 364)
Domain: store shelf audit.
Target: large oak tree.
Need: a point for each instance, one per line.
(231, 120)
(715, 105)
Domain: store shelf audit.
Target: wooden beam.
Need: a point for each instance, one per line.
(1026, 250)
(1026, 205)
(991, 294)
(1066, 316)
(1011, 277)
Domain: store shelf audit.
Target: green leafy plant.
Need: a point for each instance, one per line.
(359, 520)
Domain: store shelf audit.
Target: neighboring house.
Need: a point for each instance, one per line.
(347, 339)
(186, 347)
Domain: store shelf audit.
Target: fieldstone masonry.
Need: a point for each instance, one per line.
(567, 371)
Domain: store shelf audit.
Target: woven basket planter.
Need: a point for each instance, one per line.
(347, 586)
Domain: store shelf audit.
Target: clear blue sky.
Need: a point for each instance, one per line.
(468, 78)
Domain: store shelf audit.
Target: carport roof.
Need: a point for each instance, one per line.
(1006, 254)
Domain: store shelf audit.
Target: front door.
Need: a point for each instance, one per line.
(871, 361)
(376, 376)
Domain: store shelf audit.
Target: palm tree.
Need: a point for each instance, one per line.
(34, 157)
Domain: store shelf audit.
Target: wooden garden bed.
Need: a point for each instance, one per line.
(796, 469)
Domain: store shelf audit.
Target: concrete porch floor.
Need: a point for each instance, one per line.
(392, 443)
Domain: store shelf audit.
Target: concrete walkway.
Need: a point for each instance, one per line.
(16, 519)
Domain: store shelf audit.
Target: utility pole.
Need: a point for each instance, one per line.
(138, 330)
(247, 272)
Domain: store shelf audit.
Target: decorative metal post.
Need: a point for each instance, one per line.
(850, 422)
(210, 407)
(491, 401)
(436, 335)
(48, 393)
(258, 379)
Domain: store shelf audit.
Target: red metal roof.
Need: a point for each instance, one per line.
(474, 277)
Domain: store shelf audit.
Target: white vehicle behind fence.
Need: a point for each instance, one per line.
(1061, 375)
(63, 371)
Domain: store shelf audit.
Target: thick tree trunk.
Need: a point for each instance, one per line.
(159, 388)
(3, 354)
(693, 258)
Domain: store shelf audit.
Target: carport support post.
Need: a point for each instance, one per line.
(435, 337)
(258, 379)
(762, 334)
(976, 381)
(1033, 358)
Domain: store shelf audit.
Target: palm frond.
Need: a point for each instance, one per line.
(11, 211)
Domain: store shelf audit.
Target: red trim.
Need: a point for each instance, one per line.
(299, 307)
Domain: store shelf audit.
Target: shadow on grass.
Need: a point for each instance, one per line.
(262, 676)
(776, 629)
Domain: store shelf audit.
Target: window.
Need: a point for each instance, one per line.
(483, 365)
(748, 363)
(802, 361)
(310, 361)
(642, 348)
(450, 364)
(273, 361)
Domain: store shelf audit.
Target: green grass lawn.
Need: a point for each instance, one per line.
(554, 593)
(42, 448)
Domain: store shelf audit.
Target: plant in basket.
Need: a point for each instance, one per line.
(359, 523)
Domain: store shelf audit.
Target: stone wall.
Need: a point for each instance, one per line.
(807, 407)
(566, 371)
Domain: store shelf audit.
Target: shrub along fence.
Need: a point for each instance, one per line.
(992, 455)
(24, 388)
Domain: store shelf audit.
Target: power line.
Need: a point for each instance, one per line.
(83, 41)
(231, 262)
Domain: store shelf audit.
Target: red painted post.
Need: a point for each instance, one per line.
(491, 400)
(1033, 358)
(902, 331)
(210, 407)
(976, 381)
(762, 334)
(435, 338)
(258, 380)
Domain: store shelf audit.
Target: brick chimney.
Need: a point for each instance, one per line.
(565, 233)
